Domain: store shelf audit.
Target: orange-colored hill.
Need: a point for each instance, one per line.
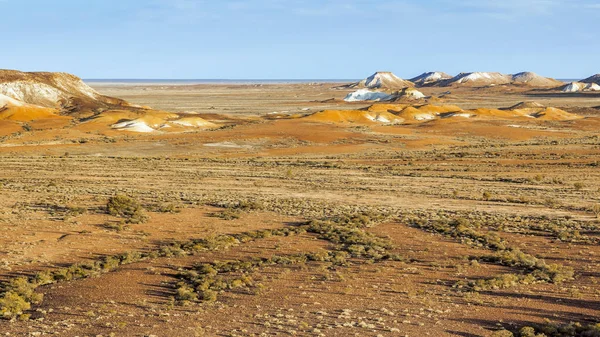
(354, 116)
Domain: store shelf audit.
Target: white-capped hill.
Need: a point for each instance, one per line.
(535, 80)
(592, 79)
(478, 79)
(53, 90)
(525, 78)
(382, 80)
(430, 78)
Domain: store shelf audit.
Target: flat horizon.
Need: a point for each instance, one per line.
(245, 80)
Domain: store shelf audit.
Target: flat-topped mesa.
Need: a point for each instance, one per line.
(382, 80)
(592, 79)
(430, 78)
(53, 90)
(534, 80)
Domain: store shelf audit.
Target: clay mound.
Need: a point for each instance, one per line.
(554, 114)
(367, 95)
(62, 91)
(526, 105)
(412, 114)
(535, 80)
(137, 121)
(14, 110)
(573, 87)
(386, 107)
(409, 94)
(579, 87)
(430, 78)
(196, 122)
(403, 114)
(428, 112)
(382, 80)
(439, 109)
(136, 125)
(592, 79)
(496, 113)
(592, 87)
(539, 111)
(151, 121)
(478, 79)
(354, 116)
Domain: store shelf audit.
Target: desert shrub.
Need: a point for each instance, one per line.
(186, 293)
(354, 241)
(75, 210)
(527, 331)
(499, 282)
(12, 305)
(596, 210)
(228, 214)
(208, 295)
(127, 208)
(17, 296)
(164, 208)
(117, 227)
(561, 330)
(502, 333)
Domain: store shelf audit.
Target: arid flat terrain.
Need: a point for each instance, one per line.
(279, 219)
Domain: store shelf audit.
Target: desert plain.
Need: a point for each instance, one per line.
(285, 217)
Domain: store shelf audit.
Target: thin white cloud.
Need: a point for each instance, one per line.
(508, 8)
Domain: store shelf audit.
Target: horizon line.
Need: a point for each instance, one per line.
(243, 79)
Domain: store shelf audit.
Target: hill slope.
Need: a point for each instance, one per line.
(53, 90)
(533, 79)
(495, 78)
(382, 80)
(430, 78)
(592, 79)
(15, 110)
(478, 79)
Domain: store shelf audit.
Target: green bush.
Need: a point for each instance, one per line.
(502, 333)
(127, 208)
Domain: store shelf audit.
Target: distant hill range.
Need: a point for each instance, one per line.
(388, 81)
(495, 78)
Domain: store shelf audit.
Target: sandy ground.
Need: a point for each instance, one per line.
(532, 183)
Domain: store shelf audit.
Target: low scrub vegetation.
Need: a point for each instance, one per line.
(534, 270)
(555, 330)
(205, 281)
(127, 208)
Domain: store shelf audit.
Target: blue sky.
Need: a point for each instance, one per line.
(344, 39)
